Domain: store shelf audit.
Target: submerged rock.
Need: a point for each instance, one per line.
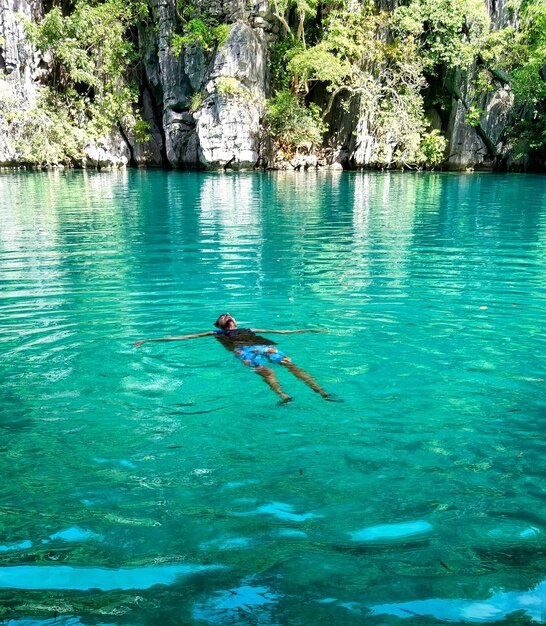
(63, 577)
(392, 531)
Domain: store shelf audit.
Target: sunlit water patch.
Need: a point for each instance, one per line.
(165, 485)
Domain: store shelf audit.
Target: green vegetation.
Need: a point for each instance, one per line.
(280, 54)
(196, 101)
(432, 148)
(230, 86)
(44, 134)
(198, 32)
(199, 28)
(354, 61)
(142, 131)
(383, 62)
(293, 125)
(474, 115)
(89, 90)
(446, 32)
(391, 67)
(518, 58)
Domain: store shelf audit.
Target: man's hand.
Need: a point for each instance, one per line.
(137, 344)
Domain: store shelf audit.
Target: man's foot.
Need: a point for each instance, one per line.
(330, 397)
(285, 399)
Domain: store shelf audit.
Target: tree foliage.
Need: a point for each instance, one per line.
(386, 60)
(447, 32)
(354, 58)
(91, 57)
(331, 55)
(41, 135)
(528, 78)
(293, 125)
(206, 33)
(516, 58)
(199, 28)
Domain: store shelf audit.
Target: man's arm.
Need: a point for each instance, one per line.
(182, 338)
(288, 332)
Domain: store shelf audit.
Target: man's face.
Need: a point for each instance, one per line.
(227, 322)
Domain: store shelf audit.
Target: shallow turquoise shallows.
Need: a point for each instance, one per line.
(165, 485)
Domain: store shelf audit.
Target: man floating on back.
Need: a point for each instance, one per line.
(256, 352)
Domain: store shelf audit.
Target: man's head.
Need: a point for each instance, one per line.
(226, 322)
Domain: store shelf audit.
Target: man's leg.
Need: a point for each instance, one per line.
(269, 376)
(307, 378)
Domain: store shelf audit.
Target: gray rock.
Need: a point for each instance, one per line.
(243, 56)
(355, 142)
(304, 161)
(19, 71)
(109, 153)
(150, 152)
(228, 123)
(195, 67)
(181, 141)
(467, 148)
(225, 129)
(25, 71)
(18, 59)
(228, 132)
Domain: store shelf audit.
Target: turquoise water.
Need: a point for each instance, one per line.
(165, 485)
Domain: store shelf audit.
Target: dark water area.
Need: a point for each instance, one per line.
(166, 485)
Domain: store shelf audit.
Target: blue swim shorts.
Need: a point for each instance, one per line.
(258, 356)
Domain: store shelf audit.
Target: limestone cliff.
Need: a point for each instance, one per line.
(20, 66)
(478, 145)
(21, 86)
(205, 107)
(210, 105)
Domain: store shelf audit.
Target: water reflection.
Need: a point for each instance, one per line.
(237, 605)
(231, 233)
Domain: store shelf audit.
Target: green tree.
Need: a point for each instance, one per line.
(293, 125)
(92, 58)
(199, 28)
(303, 10)
(516, 57)
(447, 32)
(355, 58)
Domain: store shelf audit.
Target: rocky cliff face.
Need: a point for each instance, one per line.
(479, 146)
(205, 109)
(20, 66)
(24, 72)
(355, 142)
(229, 86)
(209, 107)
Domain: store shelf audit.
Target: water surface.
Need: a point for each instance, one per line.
(164, 485)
